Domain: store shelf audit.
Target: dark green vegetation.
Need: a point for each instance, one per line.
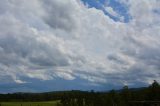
(149, 96)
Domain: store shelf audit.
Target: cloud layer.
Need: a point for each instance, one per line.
(51, 39)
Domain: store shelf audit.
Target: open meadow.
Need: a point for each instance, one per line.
(48, 103)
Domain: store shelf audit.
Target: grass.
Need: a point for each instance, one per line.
(48, 103)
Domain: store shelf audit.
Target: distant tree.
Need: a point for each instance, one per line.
(154, 91)
(155, 84)
(126, 95)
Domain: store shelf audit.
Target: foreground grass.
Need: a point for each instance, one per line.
(48, 103)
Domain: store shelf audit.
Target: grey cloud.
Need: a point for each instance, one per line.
(52, 39)
(60, 14)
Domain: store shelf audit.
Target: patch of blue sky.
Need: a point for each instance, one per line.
(120, 8)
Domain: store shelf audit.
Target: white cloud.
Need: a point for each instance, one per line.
(111, 11)
(114, 13)
(49, 39)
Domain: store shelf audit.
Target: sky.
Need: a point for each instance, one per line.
(52, 45)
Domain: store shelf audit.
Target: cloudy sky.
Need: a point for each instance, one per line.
(48, 45)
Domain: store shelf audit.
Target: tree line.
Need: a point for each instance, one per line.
(146, 96)
(149, 96)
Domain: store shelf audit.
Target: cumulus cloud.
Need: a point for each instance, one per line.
(49, 39)
(113, 13)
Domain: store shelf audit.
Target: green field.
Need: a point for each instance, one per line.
(48, 103)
